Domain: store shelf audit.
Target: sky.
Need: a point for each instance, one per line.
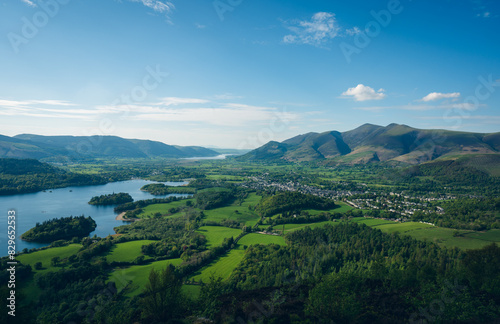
(239, 73)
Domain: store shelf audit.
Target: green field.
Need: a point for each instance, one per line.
(134, 278)
(491, 235)
(372, 221)
(222, 267)
(127, 252)
(444, 237)
(402, 227)
(254, 238)
(150, 210)
(295, 227)
(45, 256)
(239, 213)
(215, 235)
(225, 177)
(440, 235)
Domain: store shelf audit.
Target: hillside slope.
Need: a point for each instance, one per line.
(91, 147)
(369, 143)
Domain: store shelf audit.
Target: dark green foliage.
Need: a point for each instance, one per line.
(25, 176)
(143, 203)
(63, 228)
(213, 198)
(290, 201)
(482, 269)
(173, 239)
(467, 213)
(111, 199)
(162, 299)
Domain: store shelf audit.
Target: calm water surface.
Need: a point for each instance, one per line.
(70, 201)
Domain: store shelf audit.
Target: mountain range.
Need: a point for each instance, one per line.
(370, 143)
(91, 147)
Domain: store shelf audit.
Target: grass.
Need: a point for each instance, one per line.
(30, 290)
(150, 210)
(222, 267)
(444, 237)
(254, 238)
(215, 235)
(239, 213)
(295, 227)
(491, 235)
(373, 221)
(402, 227)
(45, 256)
(135, 278)
(127, 252)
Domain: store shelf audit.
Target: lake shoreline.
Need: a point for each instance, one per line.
(121, 217)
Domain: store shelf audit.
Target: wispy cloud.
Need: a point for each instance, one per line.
(29, 3)
(226, 115)
(163, 7)
(321, 28)
(174, 101)
(226, 96)
(433, 96)
(423, 107)
(363, 93)
(44, 109)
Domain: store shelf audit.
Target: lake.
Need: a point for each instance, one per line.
(71, 201)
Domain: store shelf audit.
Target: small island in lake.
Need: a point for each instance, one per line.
(64, 228)
(111, 199)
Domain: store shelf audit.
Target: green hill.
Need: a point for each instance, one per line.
(80, 148)
(370, 143)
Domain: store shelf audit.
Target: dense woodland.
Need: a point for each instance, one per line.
(111, 199)
(291, 201)
(26, 176)
(63, 228)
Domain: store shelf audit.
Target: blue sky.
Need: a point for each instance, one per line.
(238, 73)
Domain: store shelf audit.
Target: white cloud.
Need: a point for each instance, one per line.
(200, 26)
(227, 115)
(29, 3)
(433, 96)
(174, 101)
(318, 30)
(456, 106)
(363, 93)
(353, 31)
(163, 7)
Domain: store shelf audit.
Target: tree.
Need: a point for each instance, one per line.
(55, 261)
(38, 265)
(209, 296)
(163, 298)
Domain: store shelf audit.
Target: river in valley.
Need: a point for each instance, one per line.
(71, 201)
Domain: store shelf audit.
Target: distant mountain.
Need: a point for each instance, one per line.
(370, 143)
(91, 147)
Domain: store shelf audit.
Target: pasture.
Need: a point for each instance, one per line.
(215, 235)
(221, 267)
(151, 210)
(126, 252)
(45, 256)
(240, 213)
(134, 278)
(255, 238)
